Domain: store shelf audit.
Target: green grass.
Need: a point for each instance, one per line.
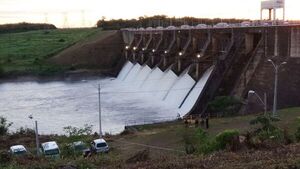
(27, 52)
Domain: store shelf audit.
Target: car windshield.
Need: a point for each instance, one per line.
(20, 152)
(52, 152)
(101, 145)
(80, 147)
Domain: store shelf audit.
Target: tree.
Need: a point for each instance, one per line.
(4, 125)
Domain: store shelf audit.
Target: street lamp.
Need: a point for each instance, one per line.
(197, 65)
(263, 102)
(166, 51)
(36, 135)
(180, 53)
(126, 47)
(153, 50)
(276, 68)
(134, 48)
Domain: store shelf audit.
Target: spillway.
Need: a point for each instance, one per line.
(133, 73)
(191, 99)
(163, 88)
(166, 82)
(179, 90)
(125, 70)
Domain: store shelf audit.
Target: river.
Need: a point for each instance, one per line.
(59, 104)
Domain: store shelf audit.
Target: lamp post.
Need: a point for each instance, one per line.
(264, 102)
(36, 135)
(100, 113)
(126, 52)
(197, 66)
(276, 68)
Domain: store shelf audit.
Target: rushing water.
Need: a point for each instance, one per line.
(58, 104)
(138, 95)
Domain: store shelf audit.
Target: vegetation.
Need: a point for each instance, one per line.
(224, 106)
(4, 125)
(23, 27)
(27, 52)
(159, 20)
(218, 141)
(297, 134)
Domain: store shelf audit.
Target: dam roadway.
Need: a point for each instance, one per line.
(188, 67)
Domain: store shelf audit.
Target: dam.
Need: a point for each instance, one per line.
(188, 66)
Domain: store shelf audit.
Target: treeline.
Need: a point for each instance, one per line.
(22, 27)
(159, 20)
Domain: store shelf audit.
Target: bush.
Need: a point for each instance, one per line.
(297, 134)
(226, 138)
(75, 131)
(267, 130)
(4, 125)
(204, 144)
(224, 105)
(25, 131)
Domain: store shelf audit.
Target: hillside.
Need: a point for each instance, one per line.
(27, 53)
(100, 52)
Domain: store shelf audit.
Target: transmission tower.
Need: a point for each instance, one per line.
(46, 17)
(83, 18)
(65, 17)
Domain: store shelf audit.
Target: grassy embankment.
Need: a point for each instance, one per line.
(27, 52)
(170, 136)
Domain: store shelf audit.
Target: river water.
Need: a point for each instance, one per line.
(63, 103)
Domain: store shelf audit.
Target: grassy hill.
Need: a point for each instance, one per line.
(27, 52)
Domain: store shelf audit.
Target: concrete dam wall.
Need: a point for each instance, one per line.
(188, 68)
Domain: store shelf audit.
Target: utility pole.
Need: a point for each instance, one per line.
(37, 138)
(100, 126)
(36, 135)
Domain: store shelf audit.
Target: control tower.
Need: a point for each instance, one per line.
(272, 6)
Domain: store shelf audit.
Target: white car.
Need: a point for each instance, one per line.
(100, 146)
(245, 24)
(17, 150)
(50, 149)
(222, 25)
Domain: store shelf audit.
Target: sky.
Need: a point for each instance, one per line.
(83, 13)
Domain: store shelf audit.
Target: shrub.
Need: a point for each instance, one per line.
(4, 125)
(297, 134)
(75, 131)
(267, 130)
(226, 138)
(225, 105)
(204, 144)
(25, 131)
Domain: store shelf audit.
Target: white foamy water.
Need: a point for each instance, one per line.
(164, 84)
(195, 93)
(125, 70)
(135, 96)
(133, 73)
(180, 89)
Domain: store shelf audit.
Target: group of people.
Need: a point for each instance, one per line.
(203, 122)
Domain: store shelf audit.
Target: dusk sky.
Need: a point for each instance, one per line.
(78, 13)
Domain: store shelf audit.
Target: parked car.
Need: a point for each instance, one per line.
(99, 146)
(50, 149)
(221, 25)
(80, 146)
(18, 150)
